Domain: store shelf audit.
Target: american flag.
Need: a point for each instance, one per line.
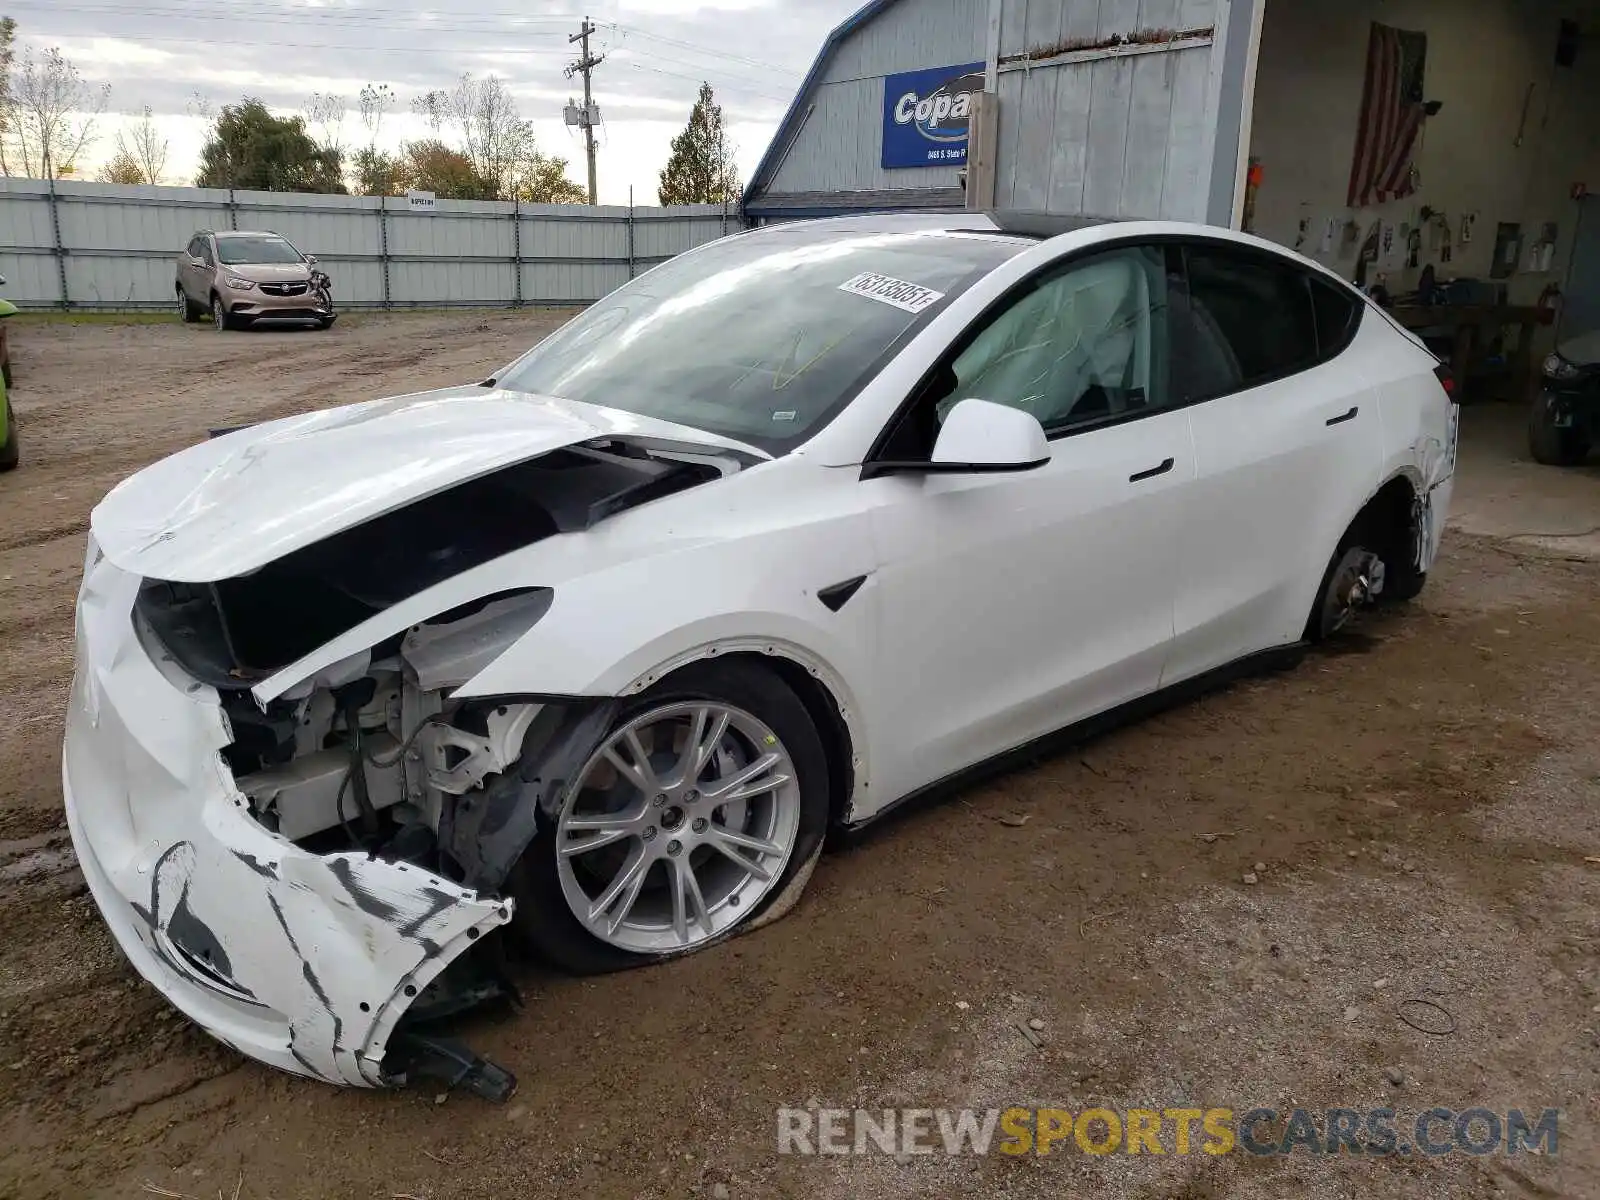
(1391, 117)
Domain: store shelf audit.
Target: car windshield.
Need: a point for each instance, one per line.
(236, 251)
(762, 338)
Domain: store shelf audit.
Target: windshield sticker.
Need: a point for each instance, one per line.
(911, 297)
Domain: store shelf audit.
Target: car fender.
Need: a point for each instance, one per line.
(618, 631)
(754, 595)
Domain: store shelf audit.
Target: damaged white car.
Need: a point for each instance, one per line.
(792, 528)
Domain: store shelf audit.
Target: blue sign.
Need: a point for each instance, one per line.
(925, 115)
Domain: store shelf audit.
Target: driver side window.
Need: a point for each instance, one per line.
(1083, 347)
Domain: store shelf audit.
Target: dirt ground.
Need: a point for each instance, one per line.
(1423, 798)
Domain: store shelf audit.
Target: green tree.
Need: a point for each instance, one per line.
(377, 173)
(431, 166)
(701, 169)
(250, 148)
(122, 167)
(544, 181)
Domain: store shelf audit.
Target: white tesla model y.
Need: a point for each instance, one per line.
(796, 526)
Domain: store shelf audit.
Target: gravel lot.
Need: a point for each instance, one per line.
(1423, 798)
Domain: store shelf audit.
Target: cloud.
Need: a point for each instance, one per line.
(162, 52)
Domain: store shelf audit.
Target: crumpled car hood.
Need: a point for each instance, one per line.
(229, 506)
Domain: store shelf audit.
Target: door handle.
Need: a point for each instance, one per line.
(1349, 416)
(1165, 466)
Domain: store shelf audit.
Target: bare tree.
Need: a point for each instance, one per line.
(374, 103)
(8, 54)
(142, 144)
(495, 141)
(50, 116)
(433, 107)
(325, 114)
(494, 136)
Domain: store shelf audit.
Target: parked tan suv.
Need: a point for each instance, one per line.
(240, 276)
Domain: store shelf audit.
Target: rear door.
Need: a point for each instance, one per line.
(1288, 442)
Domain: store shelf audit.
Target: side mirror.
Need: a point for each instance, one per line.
(980, 435)
(977, 436)
(196, 262)
(311, 260)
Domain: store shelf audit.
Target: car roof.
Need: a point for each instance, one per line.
(1032, 226)
(239, 233)
(1025, 227)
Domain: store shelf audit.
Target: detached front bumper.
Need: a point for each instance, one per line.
(306, 962)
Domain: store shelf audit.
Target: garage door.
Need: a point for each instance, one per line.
(1123, 108)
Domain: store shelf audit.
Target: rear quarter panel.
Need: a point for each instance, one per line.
(1421, 422)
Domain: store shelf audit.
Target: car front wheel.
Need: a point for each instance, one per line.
(1552, 444)
(702, 805)
(219, 315)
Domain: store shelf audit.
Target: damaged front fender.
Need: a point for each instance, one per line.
(487, 830)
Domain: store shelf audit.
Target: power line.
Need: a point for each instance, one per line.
(380, 19)
(635, 31)
(734, 86)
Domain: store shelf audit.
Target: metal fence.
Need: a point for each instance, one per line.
(85, 246)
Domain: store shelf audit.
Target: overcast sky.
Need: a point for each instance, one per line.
(162, 53)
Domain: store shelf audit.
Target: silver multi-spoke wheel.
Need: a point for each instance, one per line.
(679, 825)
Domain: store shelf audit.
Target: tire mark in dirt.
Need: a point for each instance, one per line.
(39, 537)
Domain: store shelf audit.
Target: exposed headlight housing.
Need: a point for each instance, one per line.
(1558, 368)
(239, 285)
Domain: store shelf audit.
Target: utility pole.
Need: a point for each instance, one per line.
(584, 66)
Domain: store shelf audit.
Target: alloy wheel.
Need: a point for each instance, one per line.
(678, 827)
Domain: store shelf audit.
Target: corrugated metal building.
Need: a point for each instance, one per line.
(1104, 107)
(1255, 113)
(826, 156)
(1424, 145)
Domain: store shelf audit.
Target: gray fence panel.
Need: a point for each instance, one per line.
(119, 245)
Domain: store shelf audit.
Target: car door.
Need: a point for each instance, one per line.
(1014, 604)
(187, 270)
(1287, 442)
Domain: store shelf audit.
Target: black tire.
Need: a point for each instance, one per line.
(187, 312)
(1548, 442)
(545, 924)
(1393, 540)
(10, 452)
(220, 320)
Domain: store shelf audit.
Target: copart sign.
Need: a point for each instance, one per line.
(925, 115)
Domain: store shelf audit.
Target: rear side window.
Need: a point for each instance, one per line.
(1248, 320)
(1338, 314)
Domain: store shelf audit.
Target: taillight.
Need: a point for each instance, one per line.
(1446, 380)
